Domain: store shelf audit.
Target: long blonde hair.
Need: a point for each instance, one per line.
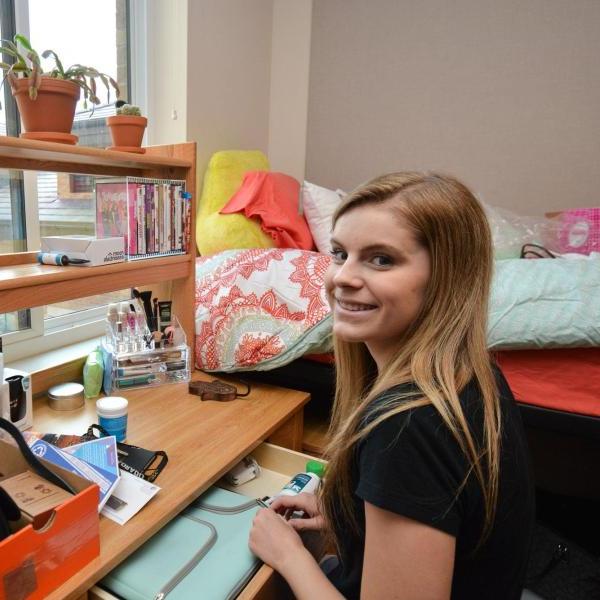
(440, 353)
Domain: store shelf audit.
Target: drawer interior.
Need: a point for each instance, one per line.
(277, 466)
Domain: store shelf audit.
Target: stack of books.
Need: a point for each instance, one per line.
(153, 215)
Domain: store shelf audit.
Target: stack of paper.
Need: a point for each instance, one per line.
(98, 463)
(122, 494)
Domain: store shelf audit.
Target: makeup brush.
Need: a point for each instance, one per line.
(146, 298)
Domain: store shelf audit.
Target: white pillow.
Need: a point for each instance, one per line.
(319, 204)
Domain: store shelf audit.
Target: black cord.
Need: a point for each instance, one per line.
(8, 507)
(246, 393)
(543, 252)
(9, 511)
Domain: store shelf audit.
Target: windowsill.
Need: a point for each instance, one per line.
(45, 368)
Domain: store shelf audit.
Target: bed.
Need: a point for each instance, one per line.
(261, 310)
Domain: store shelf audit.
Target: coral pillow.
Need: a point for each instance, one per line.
(273, 198)
(260, 309)
(223, 177)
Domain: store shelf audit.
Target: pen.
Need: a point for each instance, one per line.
(48, 258)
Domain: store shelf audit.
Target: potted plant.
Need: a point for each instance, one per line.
(127, 128)
(47, 99)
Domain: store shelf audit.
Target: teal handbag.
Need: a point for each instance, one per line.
(202, 554)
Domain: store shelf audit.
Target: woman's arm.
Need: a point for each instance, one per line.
(275, 542)
(405, 559)
(307, 580)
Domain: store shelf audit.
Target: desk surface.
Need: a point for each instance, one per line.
(203, 440)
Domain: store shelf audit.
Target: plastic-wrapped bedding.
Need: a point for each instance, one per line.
(545, 303)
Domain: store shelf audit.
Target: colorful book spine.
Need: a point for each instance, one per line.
(147, 217)
(168, 214)
(187, 220)
(160, 217)
(132, 218)
(141, 220)
(173, 218)
(155, 218)
(178, 212)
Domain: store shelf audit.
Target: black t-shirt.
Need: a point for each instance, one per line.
(412, 465)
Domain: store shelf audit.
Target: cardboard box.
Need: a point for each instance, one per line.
(33, 494)
(34, 562)
(98, 251)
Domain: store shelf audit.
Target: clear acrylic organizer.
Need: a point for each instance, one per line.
(142, 360)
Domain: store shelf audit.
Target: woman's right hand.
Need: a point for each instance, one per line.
(312, 520)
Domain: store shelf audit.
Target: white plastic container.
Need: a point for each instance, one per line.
(302, 482)
(112, 415)
(307, 482)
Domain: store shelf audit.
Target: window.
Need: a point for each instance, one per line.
(81, 184)
(14, 321)
(33, 205)
(12, 201)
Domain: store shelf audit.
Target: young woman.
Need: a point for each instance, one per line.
(428, 493)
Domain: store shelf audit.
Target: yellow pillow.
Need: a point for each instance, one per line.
(215, 232)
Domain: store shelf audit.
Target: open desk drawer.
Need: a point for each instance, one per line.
(278, 465)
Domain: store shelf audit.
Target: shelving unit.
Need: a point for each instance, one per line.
(25, 284)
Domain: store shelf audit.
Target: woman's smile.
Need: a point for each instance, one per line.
(348, 305)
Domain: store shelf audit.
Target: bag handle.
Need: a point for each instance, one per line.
(152, 469)
(32, 460)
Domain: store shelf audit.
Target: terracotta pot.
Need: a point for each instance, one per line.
(54, 108)
(126, 131)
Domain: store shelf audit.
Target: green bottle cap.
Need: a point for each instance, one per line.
(316, 467)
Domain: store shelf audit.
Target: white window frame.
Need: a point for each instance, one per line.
(56, 332)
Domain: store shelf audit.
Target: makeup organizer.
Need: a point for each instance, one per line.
(136, 357)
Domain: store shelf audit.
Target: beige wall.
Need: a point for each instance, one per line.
(288, 101)
(504, 94)
(166, 43)
(233, 75)
(228, 75)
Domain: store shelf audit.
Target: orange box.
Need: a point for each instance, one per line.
(34, 562)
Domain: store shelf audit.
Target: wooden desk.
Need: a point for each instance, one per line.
(203, 441)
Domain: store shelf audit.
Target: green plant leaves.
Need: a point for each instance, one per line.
(21, 39)
(30, 66)
(59, 66)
